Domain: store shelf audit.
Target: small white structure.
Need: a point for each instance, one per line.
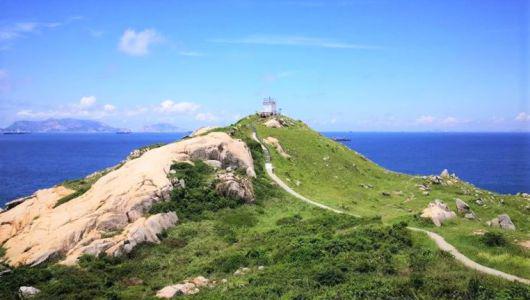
(269, 108)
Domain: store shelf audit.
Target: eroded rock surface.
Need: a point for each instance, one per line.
(438, 212)
(110, 217)
(276, 144)
(503, 221)
(234, 186)
(202, 130)
(273, 123)
(188, 287)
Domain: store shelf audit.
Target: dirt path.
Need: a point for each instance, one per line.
(438, 239)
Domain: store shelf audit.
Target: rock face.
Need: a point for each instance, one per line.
(188, 287)
(110, 217)
(202, 131)
(231, 185)
(503, 221)
(28, 292)
(273, 123)
(276, 144)
(464, 209)
(438, 212)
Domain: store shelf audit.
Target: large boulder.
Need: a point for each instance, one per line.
(111, 216)
(273, 123)
(188, 287)
(464, 209)
(171, 291)
(234, 186)
(26, 292)
(438, 212)
(502, 221)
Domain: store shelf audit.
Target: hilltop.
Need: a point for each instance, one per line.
(230, 223)
(60, 126)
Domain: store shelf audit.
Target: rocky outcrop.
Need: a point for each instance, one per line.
(143, 230)
(438, 212)
(444, 178)
(27, 292)
(188, 287)
(276, 144)
(464, 209)
(502, 221)
(231, 185)
(273, 123)
(110, 216)
(202, 131)
(23, 215)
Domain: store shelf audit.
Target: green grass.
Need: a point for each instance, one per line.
(316, 255)
(330, 173)
(307, 252)
(80, 186)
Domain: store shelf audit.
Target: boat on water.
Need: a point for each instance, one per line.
(124, 132)
(341, 139)
(16, 132)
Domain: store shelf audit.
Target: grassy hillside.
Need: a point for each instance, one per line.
(330, 173)
(306, 252)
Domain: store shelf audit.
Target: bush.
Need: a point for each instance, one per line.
(330, 277)
(198, 196)
(289, 220)
(493, 239)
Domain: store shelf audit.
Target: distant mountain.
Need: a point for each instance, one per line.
(162, 127)
(60, 125)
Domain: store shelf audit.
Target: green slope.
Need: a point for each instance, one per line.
(308, 253)
(330, 173)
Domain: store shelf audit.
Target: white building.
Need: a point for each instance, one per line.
(269, 108)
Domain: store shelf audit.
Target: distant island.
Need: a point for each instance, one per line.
(162, 127)
(61, 126)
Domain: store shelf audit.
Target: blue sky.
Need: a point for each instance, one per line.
(357, 65)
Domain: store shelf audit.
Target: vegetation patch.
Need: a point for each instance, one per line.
(493, 239)
(197, 196)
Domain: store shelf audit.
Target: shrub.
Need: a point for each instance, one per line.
(198, 196)
(330, 277)
(493, 239)
(231, 262)
(289, 220)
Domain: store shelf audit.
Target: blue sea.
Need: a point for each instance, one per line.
(496, 161)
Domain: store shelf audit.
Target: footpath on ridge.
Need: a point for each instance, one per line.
(441, 243)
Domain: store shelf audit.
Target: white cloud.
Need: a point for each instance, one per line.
(19, 29)
(10, 32)
(86, 107)
(169, 106)
(285, 40)
(138, 43)
(450, 121)
(206, 117)
(87, 101)
(109, 107)
(522, 117)
(426, 120)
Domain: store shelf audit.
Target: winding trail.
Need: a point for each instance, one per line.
(438, 239)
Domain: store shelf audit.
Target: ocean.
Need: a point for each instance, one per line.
(496, 161)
